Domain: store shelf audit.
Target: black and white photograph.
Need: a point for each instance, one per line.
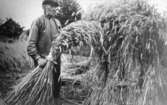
(83, 52)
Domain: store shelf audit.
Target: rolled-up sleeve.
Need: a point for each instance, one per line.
(32, 41)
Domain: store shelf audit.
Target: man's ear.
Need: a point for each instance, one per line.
(43, 7)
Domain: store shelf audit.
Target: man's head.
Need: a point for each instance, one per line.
(51, 7)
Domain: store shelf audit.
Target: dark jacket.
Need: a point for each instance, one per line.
(43, 31)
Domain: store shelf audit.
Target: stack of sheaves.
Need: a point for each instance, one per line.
(133, 42)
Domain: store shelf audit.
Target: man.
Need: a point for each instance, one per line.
(43, 31)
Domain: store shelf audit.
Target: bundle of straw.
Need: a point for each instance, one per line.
(78, 35)
(36, 88)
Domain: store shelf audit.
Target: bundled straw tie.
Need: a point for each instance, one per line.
(50, 58)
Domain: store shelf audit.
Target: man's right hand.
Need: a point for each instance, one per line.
(42, 62)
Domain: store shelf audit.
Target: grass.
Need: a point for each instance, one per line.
(14, 61)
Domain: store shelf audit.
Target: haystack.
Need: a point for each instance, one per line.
(133, 42)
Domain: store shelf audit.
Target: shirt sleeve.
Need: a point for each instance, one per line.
(32, 41)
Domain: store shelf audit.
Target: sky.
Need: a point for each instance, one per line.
(25, 11)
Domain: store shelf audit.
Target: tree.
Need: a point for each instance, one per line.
(10, 29)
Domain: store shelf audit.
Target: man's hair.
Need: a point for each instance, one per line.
(50, 2)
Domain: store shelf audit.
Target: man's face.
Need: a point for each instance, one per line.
(51, 10)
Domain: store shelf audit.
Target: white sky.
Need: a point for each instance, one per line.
(25, 11)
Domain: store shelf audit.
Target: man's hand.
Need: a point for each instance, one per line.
(42, 62)
(50, 58)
